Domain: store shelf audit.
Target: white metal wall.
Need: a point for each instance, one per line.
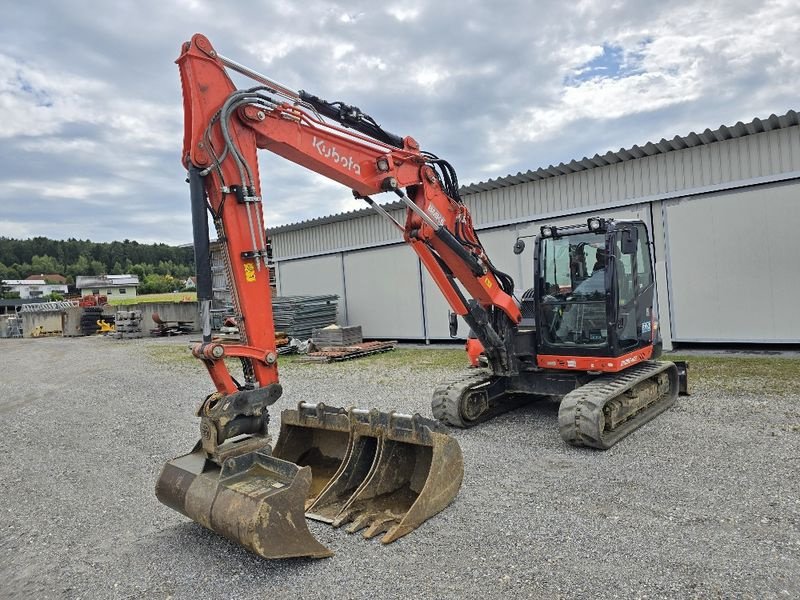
(383, 292)
(311, 277)
(733, 266)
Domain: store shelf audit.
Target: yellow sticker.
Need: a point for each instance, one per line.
(488, 283)
(249, 271)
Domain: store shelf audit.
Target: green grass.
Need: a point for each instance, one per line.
(171, 297)
(767, 375)
(419, 358)
(770, 375)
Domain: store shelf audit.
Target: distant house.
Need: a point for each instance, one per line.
(190, 283)
(49, 278)
(34, 288)
(113, 286)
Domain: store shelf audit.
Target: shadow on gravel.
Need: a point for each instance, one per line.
(191, 544)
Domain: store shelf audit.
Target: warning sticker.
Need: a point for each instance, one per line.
(487, 282)
(249, 271)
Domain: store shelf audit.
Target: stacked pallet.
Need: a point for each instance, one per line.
(333, 335)
(299, 316)
(127, 324)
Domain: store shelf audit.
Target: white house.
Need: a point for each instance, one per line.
(112, 286)
(33, 288)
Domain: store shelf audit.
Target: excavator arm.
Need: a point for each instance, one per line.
(225, 126)
(384, 473)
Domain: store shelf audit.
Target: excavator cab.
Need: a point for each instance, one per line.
(594, 290)
(587, 337)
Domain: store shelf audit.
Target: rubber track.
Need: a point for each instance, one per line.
(580, 416)
(446, 402)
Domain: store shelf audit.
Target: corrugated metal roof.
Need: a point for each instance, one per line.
(82, 282)
(663, 146)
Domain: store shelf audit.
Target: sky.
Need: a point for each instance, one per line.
(91, 114)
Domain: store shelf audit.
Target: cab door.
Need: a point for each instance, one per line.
(634, 291)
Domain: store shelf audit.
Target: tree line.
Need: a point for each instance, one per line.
(160, 268)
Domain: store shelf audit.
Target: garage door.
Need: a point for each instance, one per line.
(383, 292)
(733, 266)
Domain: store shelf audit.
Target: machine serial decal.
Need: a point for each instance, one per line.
(436, 215)
(330, 152)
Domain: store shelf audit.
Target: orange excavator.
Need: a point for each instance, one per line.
(586, 336)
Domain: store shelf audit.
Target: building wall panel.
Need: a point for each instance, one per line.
(733, 265)
(383, 292)
(314, 277)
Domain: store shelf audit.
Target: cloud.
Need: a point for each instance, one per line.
(91, 114)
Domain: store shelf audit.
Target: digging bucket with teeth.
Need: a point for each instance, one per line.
(397, 472)
(315, 436)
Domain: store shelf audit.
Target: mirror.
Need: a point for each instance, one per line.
(519, 246)
(453, 318)
(630, 241)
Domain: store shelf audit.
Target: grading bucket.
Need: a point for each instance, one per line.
(254, 499)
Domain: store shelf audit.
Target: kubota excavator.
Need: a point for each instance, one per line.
(584, 335)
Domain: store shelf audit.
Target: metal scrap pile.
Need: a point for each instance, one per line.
(298, 316)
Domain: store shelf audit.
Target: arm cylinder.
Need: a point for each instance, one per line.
(202, 253)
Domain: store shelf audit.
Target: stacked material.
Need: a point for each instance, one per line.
(13, 327)
(128, 324)
(169, 328)
(340, 353)
(333, 335)
(298, 316)
(89, 318)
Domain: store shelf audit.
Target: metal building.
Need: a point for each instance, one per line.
(723, 207)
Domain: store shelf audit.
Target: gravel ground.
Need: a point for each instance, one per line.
(703, 502)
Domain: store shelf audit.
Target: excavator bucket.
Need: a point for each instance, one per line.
(385, 472)
(315, 436)
(397, 472)
(254, 499)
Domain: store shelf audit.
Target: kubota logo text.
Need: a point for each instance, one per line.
(330, 152)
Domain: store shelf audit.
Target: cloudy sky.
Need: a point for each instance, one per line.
(91, 115)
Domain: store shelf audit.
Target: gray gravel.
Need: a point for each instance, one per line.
(703, 502)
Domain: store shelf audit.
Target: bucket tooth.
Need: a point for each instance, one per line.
(254, 499)
(380, 525)
(357, 522)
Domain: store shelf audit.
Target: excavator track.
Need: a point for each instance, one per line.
(610, 407)
(466, 401)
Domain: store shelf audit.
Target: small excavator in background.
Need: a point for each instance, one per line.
(585, 335)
